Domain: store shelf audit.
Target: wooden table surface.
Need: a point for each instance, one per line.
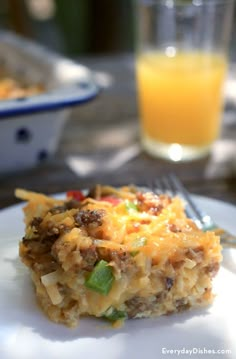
(98, 131)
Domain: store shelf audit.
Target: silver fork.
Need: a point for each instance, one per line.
(171, 185)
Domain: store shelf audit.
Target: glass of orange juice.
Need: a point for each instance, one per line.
(181, 66)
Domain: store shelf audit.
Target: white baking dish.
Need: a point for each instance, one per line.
(30, 127)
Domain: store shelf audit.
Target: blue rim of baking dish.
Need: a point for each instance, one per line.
(73, 95)
(79, 90)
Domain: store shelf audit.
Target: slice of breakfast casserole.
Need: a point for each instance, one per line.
(116, 254)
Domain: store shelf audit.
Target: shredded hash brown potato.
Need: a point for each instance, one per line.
(12, 89)
(116, 254)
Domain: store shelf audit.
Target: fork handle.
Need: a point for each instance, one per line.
(226, 238)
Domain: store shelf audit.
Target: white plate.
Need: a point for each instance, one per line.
(26, 333)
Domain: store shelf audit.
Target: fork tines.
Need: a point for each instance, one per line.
(171, 185)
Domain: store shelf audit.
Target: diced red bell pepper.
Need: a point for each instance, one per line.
(113, 200)
(75, 194)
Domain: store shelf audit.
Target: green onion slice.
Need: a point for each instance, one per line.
(139, 242)
(131, 206)
(113, 314)
(101, 278)
(134, 253)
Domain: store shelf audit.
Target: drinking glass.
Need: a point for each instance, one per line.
(181, 63)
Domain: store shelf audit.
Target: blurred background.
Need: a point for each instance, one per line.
(101, 35)
(76, 27)
(73, 27)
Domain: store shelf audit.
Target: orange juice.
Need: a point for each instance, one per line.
(181, 97)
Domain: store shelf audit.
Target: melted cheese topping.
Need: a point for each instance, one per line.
(124, 230)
